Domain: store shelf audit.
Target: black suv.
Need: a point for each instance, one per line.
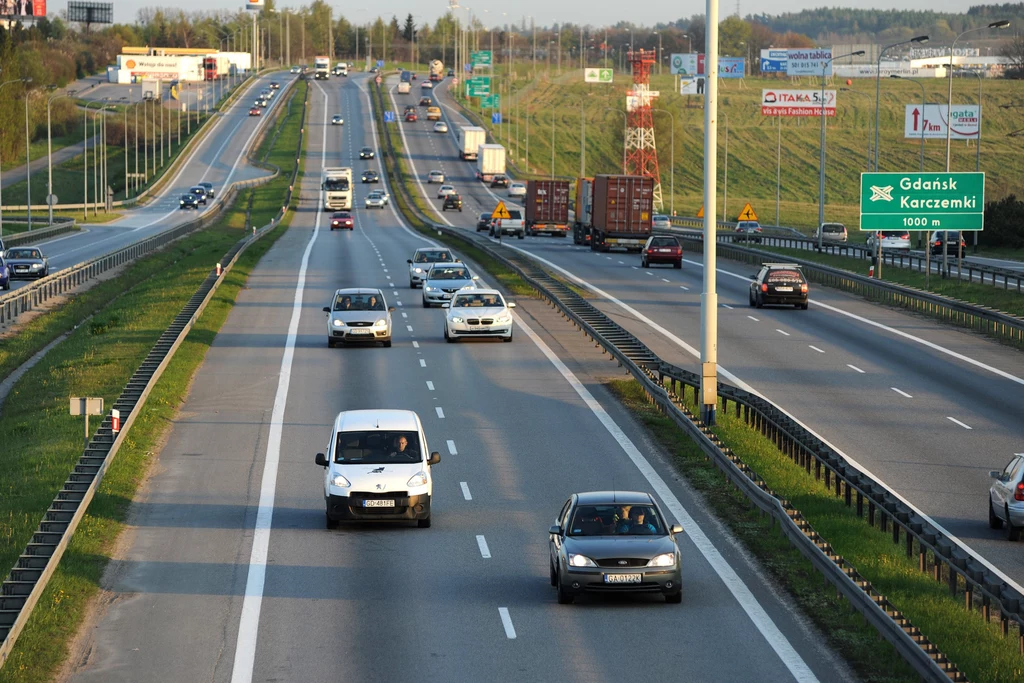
(366, 153)
(500, 181)
(484, 223)
(426, 102)
(188, 201)
(371, 176)
(452, 201)
(779, 283)
(953, 236)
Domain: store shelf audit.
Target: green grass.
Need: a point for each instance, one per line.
(96, 361)
(753, 139)
(39, 147)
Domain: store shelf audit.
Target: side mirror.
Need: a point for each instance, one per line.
(995, 474)
(408, 260)
(676, 529)
(555, 529)
(511, 304)
(446, 305)
(391, 309)
(476, 277)
(321, 460)
(327, 309)
(434, 458)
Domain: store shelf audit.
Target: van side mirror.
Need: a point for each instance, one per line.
(321, 460)
(327, 309)
(434, 458)
(555, 529)
(676, 529)
(391, 309)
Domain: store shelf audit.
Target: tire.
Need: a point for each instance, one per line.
(803, 307)
(564, 597)
(993, 521)
(423, 523)
(750, 299)
(757, 301)
(674, 598)
(553, 575)
(644, 264)
(387, 344)
(330, 523)
(508, 338)
(426, 304)
(1012, 532)
(521, 236)
(678, 266)
(330, 343)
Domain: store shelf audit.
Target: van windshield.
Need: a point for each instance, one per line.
(377, 447)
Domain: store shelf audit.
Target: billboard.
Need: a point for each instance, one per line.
(774, 61)
(931, 121)
(776, 102)
(809, 62)
(24, 8)
(254, 4)
(597, 75)
(691, 85)
(686, 64)
(732, 67)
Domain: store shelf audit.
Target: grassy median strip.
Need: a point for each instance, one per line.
(42, 442)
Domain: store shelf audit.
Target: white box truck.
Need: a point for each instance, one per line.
(321, 68)
(490, 161)
(337, 187)
(469, 140)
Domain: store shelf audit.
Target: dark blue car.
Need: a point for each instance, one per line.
(5, 275)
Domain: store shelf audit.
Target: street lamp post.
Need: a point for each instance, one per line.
(949, 77)
(49, 154)
(709, 294)
(977, 156)
(725, 191)
(878, 83)
(821, 160)
(672, 161)
(28, 160)
(5, 83)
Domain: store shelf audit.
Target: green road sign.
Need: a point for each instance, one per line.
(491, 102)
(478, 86)
(597, 75)
(922, 201)
(482, 58)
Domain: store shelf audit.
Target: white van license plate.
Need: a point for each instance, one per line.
(623, 578)
(385, 503)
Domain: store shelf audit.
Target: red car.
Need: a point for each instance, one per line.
(255, 111)
(411, 116)
(341, 220)
(662, 249)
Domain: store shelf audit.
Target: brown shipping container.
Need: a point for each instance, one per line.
(547, 202)
(623, 205)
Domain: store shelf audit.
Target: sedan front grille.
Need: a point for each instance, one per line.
(617, 562)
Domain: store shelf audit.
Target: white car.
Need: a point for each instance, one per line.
(441, 283)
(435, 177)
(1006, 498)
(440, 127)
(374, 200)
(423, 260)
(376, 468)
(517, 190)
(336, 120)
(661, 222)
(891, 239)
(383, 194)
(426, 85)
(445, 190)
(478, 313)
(358, 315)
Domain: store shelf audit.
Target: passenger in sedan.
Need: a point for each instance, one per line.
(636, 524)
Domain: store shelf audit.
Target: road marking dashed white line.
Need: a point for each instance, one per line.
(415, 345)
(622, 263)
(506, 621)
(782, 332)
(725, 305)
(753, 318)
(815, 348)
(430, 385)
(854, 367)
(440, 412)
(665, 279)
(465, 490)
(409, 327)
(481, 543)
(451, 448)
(954, 420)
(423, 363)
(901, 392)
(404, 314)
(684, 287)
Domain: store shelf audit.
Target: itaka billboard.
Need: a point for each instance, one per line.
(796, 102)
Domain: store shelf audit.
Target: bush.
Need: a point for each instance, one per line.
(1004, 224)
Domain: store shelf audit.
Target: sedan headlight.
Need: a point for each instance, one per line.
(181, 201)
(580, 561)
(381, 323)
(456, 319)
(430, 289)
(338, 480)
(36, 266)
(663, 560)
(417, 270)
(418, 479)
(339, 323)
(504, 318)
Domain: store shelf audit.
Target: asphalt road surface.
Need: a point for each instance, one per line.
(231, 575)
(927, 408)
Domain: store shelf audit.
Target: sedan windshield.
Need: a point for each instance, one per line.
(378, 447)
(358, 302)
(431, 257)
(477, 301)
(23, 253)
(449, 274)
(616, 520)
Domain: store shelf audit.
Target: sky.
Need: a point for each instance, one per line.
(592, 12)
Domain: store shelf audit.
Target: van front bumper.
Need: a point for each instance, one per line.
(352, 507)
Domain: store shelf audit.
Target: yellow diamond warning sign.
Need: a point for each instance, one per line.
(747, 214)
(500, 211)
(700, 214)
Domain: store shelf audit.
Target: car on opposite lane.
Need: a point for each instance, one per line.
(478, 313)
(5, 273)
(336, 120)
(26, 262)
(370, 176)
(376, 468)
(374, 200)
(779, 283)
(614, 541)
(188, 201)
(445, 190)
(517, 190)
(898, 240)
(341, 220)
(423, 260)
(440, 127)
(435, 177)
(441, 283)
(748, 231)
(358, 315)
(1006, 498)
(274, 85)
(366, 153)
(832, 232)
(661, 249)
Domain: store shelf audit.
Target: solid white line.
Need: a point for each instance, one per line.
(430, 385)
(440, 412)
(423, 363)
(740, 592)
(902, 393)
(465, 490)
(753, 318)
(415, 345)
(815, 348)
(451, 448)
(248, 627)
(954, 420)
(506, 621)
(485, 552)
(854, 367)
(782, 332)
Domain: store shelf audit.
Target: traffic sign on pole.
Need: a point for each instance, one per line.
(496, 117)
(481, 58)
(490, 101)
(597, 75)
(922, 201)
(389, 117)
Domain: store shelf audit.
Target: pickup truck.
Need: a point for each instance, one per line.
(515, 225)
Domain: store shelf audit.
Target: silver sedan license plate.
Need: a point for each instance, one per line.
(623, 578)
(385, 503)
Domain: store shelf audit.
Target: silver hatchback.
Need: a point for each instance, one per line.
(358, 315)
(1006, 498)
(442, 282)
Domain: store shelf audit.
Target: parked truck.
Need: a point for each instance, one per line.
(547, 207)
(321, 68)
(337, 187)
(436, 70)
(490, 161)
(621, 211)
(582, 210)
(469, 140)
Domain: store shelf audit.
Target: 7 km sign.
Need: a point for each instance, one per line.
(931, 120)
(922, 201)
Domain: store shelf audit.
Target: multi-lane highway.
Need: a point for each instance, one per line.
(228, 544)
(220, 158)
(929, 409)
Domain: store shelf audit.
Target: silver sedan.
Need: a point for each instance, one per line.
(358, 315)
(441, 283)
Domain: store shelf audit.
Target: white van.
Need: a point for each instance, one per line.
(377, 468)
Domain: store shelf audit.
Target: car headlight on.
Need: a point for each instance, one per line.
(339, 323)
(37, 266)
(181, 201)
(418, 479)
(663, 560)
(430, 289)
(580, 561)
(338, 480)
(417, 270)
(456, 319)
(381, 323)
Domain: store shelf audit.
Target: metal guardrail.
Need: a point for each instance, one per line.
(792, 440)
(20, 592)
(59, 227)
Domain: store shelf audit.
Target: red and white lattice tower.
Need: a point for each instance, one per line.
(641, 149)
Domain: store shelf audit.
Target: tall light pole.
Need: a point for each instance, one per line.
(709, 295)
(5, 83)
(949, 77)
(878, 83)
(821, 161)
(672, 161)
(28, 159)
(49, 153)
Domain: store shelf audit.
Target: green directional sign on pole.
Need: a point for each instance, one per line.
(922, 201)
(478, 86)
(490, 102)
(597, 75)
(482, 58)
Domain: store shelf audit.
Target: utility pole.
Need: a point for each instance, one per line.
(709, 296)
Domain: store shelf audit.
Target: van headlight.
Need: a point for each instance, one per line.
(663, 560)
(418, 479)
(580, 561)
(381, 323)
(417, 270)
(339, 323)
(338, 480)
